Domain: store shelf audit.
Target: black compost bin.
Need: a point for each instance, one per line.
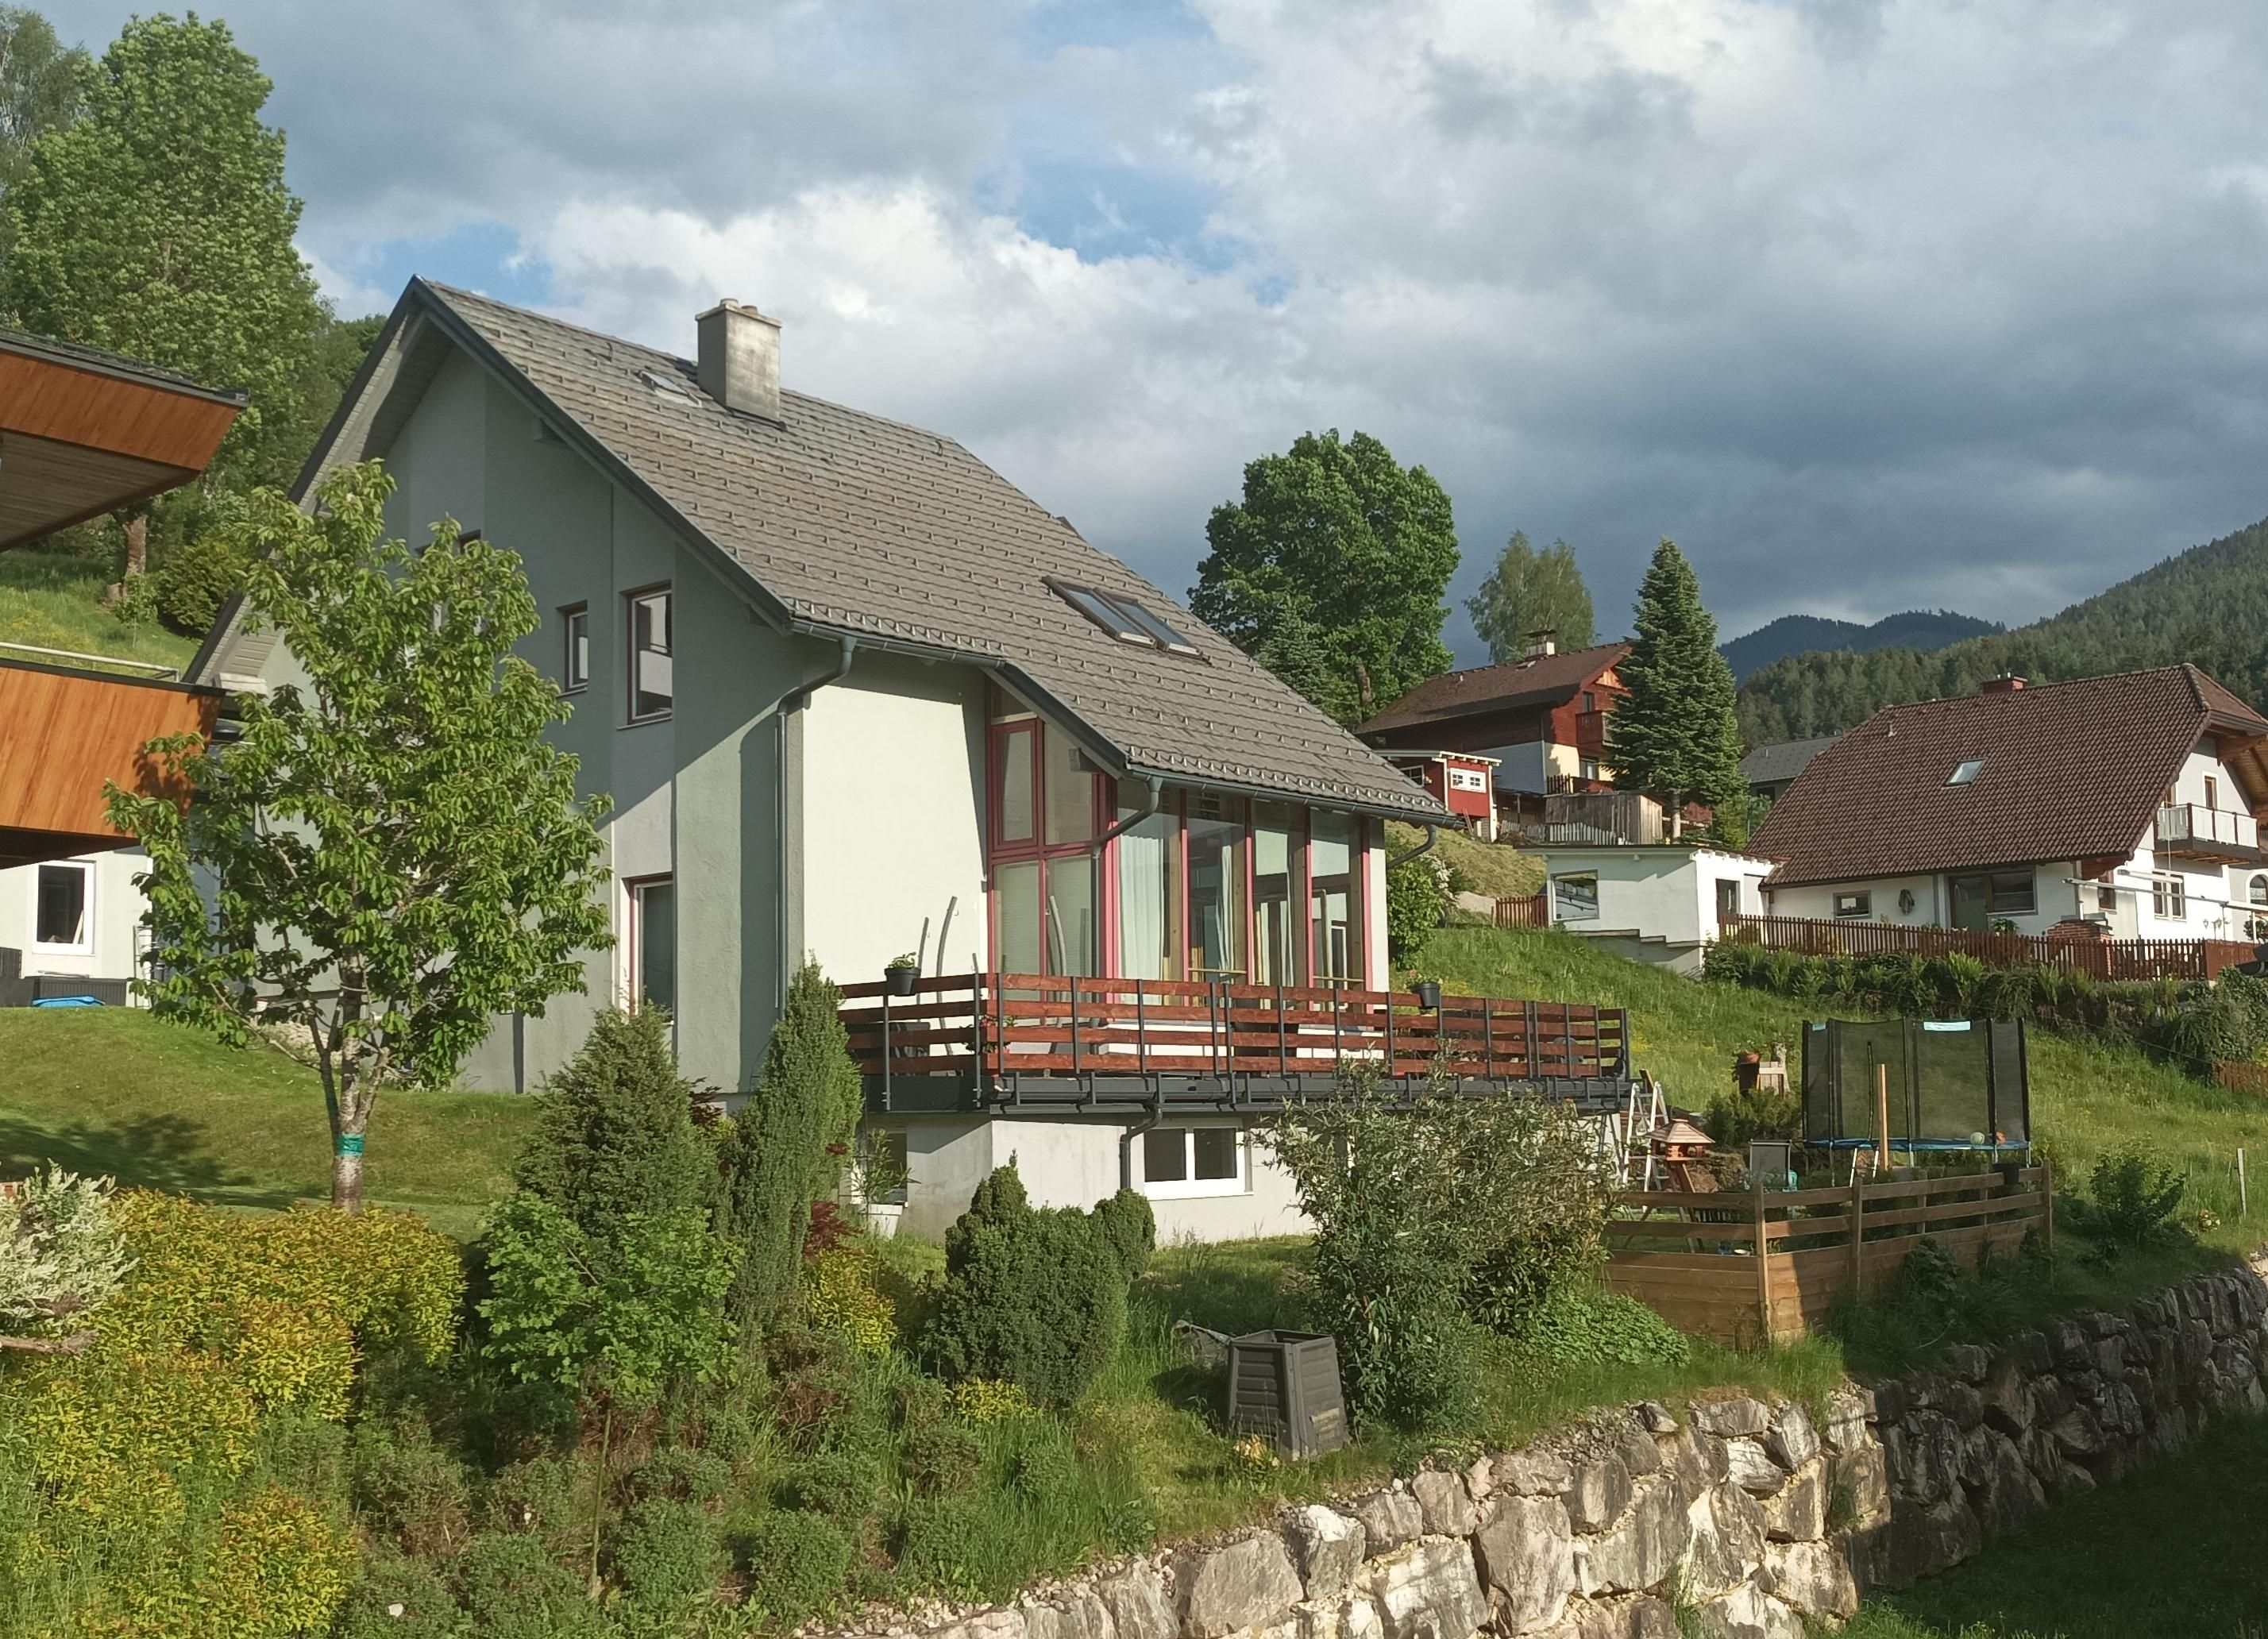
(1285, 1385)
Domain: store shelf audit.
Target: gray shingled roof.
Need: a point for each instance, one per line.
(1782, 760)
(861, 524)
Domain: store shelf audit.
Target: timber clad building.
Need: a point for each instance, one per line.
(856, 695)
(1543, 718)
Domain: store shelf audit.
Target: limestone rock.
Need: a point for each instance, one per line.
(1789, 1440)
(1240, 1585)
(1726, 1544)
(2008, 1396)
(1480, 1480)
(1328, 1549)
(1643, 1548)
(1526, 1556)
(1922, 1542)
(1136, 1600)
(994, 1624)
(1696, 1458)
(1389, 1517)
(1600, 1492)
(1531, 1473)
(1656, 1417)
(1076, 1614)
(1746, 1614)
(1967, 1362)
(1427, 1590)
(1751, 1469)
(1444, 1503)
(2002, 1490)
(1797, 1512)
(1726, 1418)
(1636, 1447)
(1812, 1578)
(1637, 1617)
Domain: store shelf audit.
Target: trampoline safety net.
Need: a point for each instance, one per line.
(1955, 1082)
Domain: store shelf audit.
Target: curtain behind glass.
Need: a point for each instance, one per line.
(1147, 856)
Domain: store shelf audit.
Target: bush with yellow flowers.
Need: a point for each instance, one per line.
(840, 1292)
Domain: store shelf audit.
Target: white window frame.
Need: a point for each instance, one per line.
(575, 669)
(2172, 891)
(630, 601)
(1192, 1187)
(1861, 904)
(85, 946)
(633, 941)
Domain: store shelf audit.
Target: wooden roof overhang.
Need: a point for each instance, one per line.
(64, 733)
(82, 433)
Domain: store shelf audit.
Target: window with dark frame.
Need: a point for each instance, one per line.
(575, 669)
(1855, 904)
(62, 903)
(1123, 616)
(1184, 1161)
(653, 685)
(1047, 915)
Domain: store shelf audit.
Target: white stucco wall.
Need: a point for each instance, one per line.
(1665, 894)
(1076, 1164)
(112, 917)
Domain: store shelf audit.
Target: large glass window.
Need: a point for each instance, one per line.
(653, 943)
(1216, 931)
(1047, 915)
(62, 907)
(1016, 916)
(1072, 919)
(652, 688)
(1275, 896)
(1149, 895)
(1019, 772)
(1070, 790)
(1335, 898)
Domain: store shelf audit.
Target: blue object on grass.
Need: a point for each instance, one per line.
(68, 1001)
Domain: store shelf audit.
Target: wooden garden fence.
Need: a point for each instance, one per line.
(1693, 1258)
(2103, 959)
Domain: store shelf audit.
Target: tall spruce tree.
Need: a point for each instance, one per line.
(1528, 592)
(1676, 737)
(788, 1145)
(615, 1139)
(157, 225)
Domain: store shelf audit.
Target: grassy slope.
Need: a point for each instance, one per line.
(115, 1091)
(2169, 1553)
(1496, 869)
(54, 602)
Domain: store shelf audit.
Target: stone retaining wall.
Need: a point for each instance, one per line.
(1748, 1513)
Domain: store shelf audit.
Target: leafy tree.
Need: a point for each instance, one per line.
(395, 852)
(158, 226)
(1530, 592)
(615, 1138)
(788, 1145)
(1341, 539)
(42, 88)
(1675, 735)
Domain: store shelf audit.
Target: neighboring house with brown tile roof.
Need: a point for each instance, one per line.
(2132, 801)
(1542, 717)
(854, 693)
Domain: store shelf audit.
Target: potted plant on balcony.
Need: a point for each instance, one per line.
(901, 973)
(1428, 990)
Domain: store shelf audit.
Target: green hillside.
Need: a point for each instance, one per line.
(49, 600)
(114, 1091)
(2208, 604)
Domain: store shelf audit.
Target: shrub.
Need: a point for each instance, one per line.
(1739, 1114)
(510, 1588)
(1042, 1466)
(62, 1255)
(1537, 1198)
(943, 1544)
(685, 1472)
(540, 1497)
(613, 1138)
(787, 1146)
(1588, 1325)
(2134, 1198)
(195, 577)
(797, 1564)
(1417, 901)
(1033, 1297)
(839, 1292)
(666, 1556)
(839, 1485)
(939, 1456)
(429, 1610)
(1129, 1228)
(408, 1491)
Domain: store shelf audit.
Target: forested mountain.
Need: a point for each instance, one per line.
(1797, 634)
(2208, 604)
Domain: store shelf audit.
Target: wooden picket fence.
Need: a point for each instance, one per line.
(2241, 1078)
(1533, 912)
(1693, 1258)
(2103, 959)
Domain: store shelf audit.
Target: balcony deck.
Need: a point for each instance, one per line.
(2187, 831)
(1040, 1047)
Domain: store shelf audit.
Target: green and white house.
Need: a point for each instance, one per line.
(855, 694)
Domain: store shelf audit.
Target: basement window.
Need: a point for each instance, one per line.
(1185, 1161)
(1967, 773)
(1124, 618)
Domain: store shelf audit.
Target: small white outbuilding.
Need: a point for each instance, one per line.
(1657, 902)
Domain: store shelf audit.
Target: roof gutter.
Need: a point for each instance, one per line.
(1157, 795)
(1432, 835)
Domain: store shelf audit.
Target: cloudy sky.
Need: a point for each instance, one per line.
(1871, 304)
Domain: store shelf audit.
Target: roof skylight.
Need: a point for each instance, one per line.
(1967, 773)
(1124, 618)
(665, 384)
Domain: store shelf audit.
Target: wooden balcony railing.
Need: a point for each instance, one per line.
(2102, 959)
(1051, 1042)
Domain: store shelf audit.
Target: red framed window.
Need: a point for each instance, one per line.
(1046, 812)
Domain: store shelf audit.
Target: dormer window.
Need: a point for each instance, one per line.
(1967, 773)
(1124, 618)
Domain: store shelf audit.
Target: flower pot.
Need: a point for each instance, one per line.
(900, 979)
(1429, 994)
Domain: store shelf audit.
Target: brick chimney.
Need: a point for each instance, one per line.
(739, 361)
(2007, 683)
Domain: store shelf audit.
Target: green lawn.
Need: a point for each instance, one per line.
(2172, 1551)
(51, 601)
(114, 1091)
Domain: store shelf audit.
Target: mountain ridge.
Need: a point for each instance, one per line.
(1920, 629)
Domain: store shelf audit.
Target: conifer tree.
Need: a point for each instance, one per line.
(615, 1136)
(788, 1145)
(1674, 737)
